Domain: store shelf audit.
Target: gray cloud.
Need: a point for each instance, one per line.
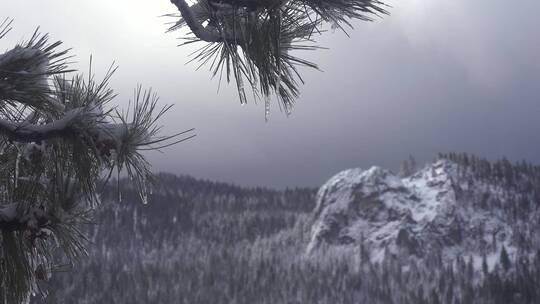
(434, 76)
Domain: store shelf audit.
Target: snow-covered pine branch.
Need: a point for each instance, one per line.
(252, 40)
(190, 18)
(13, 217)
(60, 138)
(25, 71)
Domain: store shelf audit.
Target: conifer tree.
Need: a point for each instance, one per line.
(60, 141)
(405, 168)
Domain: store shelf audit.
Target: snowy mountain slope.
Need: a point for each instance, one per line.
(206, 242)
(445, 209)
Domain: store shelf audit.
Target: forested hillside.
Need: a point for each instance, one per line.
(205, 242)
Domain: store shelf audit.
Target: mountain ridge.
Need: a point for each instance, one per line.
(445, 208)
(209, 242)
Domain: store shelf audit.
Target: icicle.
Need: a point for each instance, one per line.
(17, 160)
(266, 107)
(143, 190)
(239, 83)
(242, 93)
(288, 110)
(144, 195)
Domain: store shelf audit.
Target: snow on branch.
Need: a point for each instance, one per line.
(58, 137)
(251, 40)
(193, 23)
(13, 217)
(25, 69)
(24, 132)
(74, 123)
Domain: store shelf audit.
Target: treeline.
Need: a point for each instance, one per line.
(515, 175)
(272, 271)
(509, 190)
(208, 210)
(184, 219)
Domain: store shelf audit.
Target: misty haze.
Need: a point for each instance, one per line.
(265, 151)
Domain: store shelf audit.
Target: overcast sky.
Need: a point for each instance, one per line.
(435, 76)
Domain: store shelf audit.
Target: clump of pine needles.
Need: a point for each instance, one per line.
(252, 41)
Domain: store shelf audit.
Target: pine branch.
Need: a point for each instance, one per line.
(13, 217)
(56, 140)
(251, 40)
(194, 25)
(24, 132)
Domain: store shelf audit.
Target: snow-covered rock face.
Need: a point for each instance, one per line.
(442, 208)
